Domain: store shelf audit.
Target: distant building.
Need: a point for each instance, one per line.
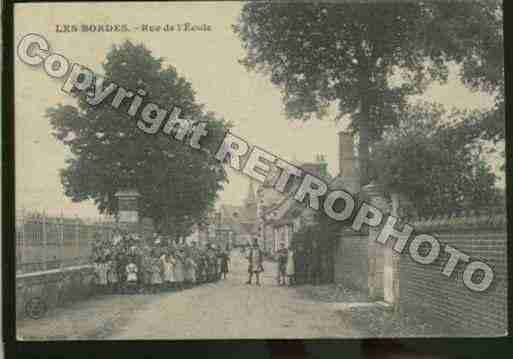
(213, 231)
(272, 216)
(241, 221)
(286, 216)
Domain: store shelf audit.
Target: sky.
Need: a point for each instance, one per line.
(209, 60)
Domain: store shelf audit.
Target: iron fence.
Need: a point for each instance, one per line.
(44, 242)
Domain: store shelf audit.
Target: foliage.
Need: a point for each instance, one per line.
(434, 158)
(483, 69)
(366, 57)
(178, 184)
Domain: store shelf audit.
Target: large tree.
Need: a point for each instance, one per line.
(483, 69)
(178, 184)
(435, 158)
(366, 57)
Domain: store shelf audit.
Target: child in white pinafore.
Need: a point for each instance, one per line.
(131, 277)
(101, 268)
(168, 269)
(179, 270)
(190, 271)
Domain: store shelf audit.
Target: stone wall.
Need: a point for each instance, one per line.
(351, 260)
(54, 287)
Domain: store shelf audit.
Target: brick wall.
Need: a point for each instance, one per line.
(446, 301)
(422, 290)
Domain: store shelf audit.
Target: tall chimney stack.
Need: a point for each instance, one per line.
(346, 157)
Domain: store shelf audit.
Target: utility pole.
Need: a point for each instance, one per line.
(263, 218)
(45, 248)
(263, 234)
(218, 228)
(61, 240)
(23, 241)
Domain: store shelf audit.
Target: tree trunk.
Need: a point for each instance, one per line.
(363, 146)
(364, 120)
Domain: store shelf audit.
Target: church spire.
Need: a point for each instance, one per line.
(251, 198)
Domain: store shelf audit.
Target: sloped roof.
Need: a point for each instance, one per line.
(243, 223)
(288, 208)
(249, 228)
(238, 213)
(127, 193)
(349, 184)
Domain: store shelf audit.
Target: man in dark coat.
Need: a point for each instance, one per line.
(255, 258)
(225, 259)
(315, 264)
(211, 264)
(299, 264)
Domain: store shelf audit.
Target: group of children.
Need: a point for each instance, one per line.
(127, 264)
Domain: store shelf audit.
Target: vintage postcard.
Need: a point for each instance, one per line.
(235, 170)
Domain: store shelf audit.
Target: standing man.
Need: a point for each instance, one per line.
(299, 263)
(315, 264)
(255, 258)
(225, 258)
(282, 264)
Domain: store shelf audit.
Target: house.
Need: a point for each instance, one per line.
(287, 216)
(241, 221)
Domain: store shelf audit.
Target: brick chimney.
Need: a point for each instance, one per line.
(346, 157)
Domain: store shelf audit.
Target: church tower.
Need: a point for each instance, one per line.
(251, 201)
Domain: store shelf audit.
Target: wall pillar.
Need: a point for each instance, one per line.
(128, 209)
(402, 208)
(375, 196)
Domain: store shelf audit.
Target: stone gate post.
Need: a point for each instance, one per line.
(128, 209)
(402, 208)
(375, 195)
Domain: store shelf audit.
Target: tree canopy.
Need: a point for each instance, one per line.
(178, 184)
(483, 69)
(434, 158)
(366, 57)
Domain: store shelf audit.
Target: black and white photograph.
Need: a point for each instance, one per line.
(259, 170)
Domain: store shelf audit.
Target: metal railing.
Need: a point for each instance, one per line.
(44, 242)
